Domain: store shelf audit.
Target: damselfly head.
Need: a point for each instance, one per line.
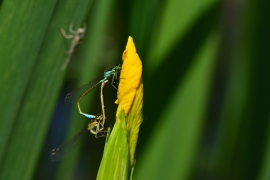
(99, 117)
(117, 66)
(113, 68)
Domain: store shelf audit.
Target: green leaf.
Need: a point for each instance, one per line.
(32, 52)
(115, 161)
(19, 52)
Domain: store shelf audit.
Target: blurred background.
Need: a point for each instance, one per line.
(206, 86)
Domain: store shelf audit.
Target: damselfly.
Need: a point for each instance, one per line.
(78, 94)
(94, 126)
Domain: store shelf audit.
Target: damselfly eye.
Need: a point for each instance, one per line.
(117, 65)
